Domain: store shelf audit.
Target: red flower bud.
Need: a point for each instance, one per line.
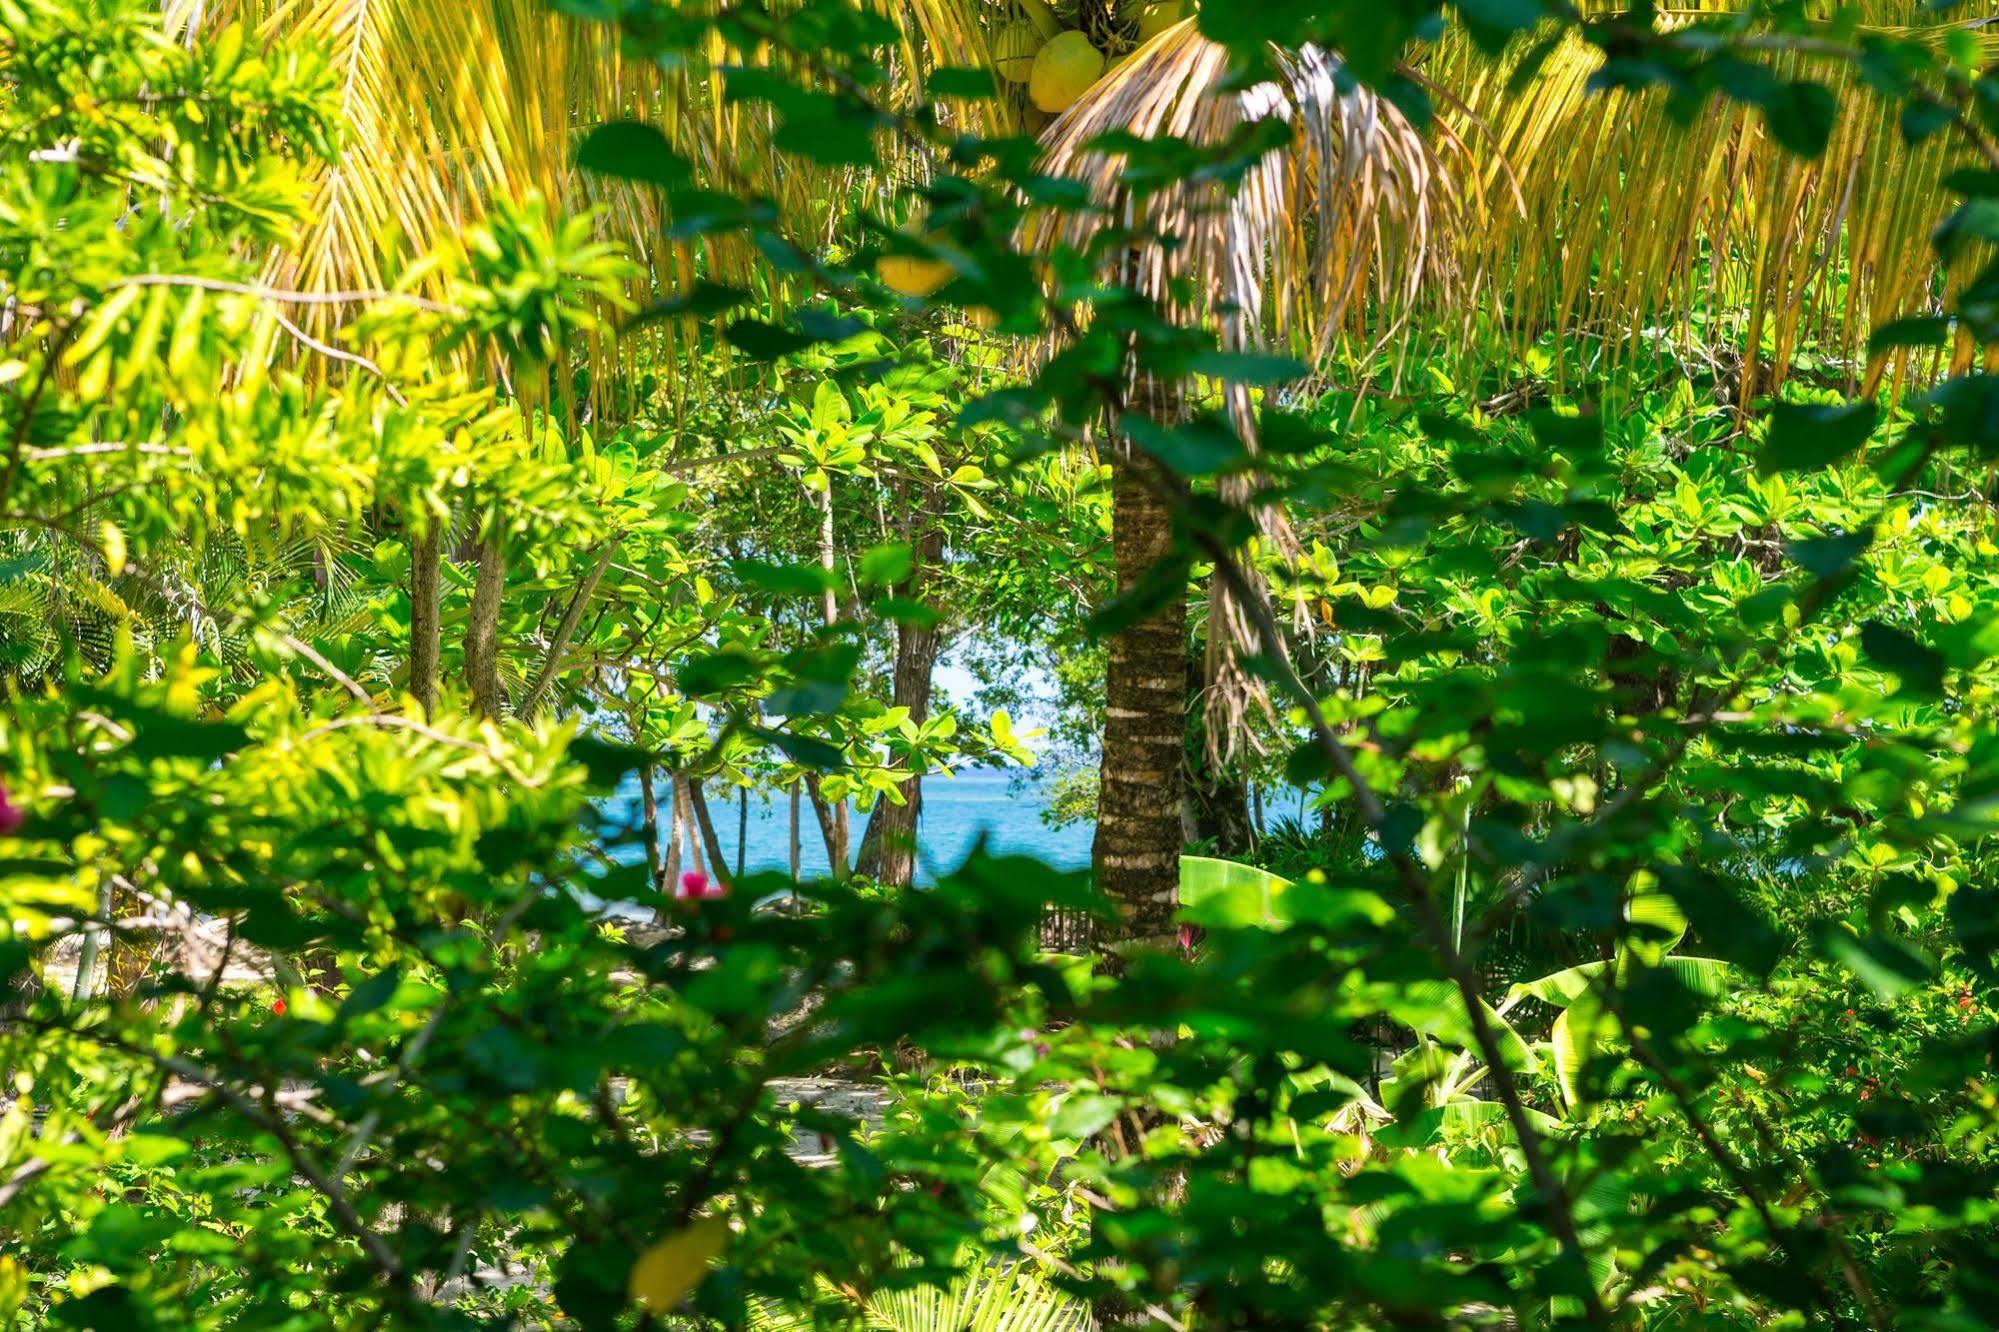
(278, 1005)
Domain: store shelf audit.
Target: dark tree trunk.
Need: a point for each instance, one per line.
(426, 615)
(697, 800)
(572, 616)
(649, 834)
(832, 828)
(1218, 810)
(1136, 855)
(482, 632)
(1217, 797)
(888, 848)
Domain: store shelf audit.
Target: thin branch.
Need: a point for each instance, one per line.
(572, 615)
(282, 295)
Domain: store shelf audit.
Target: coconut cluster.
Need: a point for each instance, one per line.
(1059, 67)
(1058, 64)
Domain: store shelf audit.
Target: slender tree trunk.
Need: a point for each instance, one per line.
(482, 633)
(1136, 855)
(572, 616)
(795, 841)
(832, 828)
(673, 833)
(684, 792)
(742, 828)
(697, 801)
(888, 848)
(836, 839)
(649, 834)
(426, 615)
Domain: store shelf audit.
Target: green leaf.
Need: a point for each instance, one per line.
(712, 673)
(632, 150)
(1885, 965)
(1812, 436)
(1226, 894)
(370, 994)
(888, 564)
(766, 342)
(804, 750)
(1249, 367)
(606, 761)
(1800, 115)
(1919, 666)
(962, 81)
(1909, 331)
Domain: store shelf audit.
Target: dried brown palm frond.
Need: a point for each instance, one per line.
(1630, 225)
(1340, 233)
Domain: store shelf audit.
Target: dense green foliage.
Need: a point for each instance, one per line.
(1634, 965)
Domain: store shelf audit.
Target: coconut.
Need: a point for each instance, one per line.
(913, 275)
(1014, 49)
(1157, 18)
(1064, 69)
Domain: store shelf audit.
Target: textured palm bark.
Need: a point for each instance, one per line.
(426, 616)
(482, 631)
(1136, 854)
(888, 848)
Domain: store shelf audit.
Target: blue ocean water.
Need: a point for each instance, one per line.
(957, 811)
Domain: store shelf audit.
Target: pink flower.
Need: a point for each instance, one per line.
(11, 814)
(694, 886)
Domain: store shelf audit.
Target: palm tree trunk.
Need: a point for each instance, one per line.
(482, 632)
(426, 615)
(1136, 855)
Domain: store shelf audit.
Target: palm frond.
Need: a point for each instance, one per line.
(992, 1299)
(1627, 224)
(1352, 221)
